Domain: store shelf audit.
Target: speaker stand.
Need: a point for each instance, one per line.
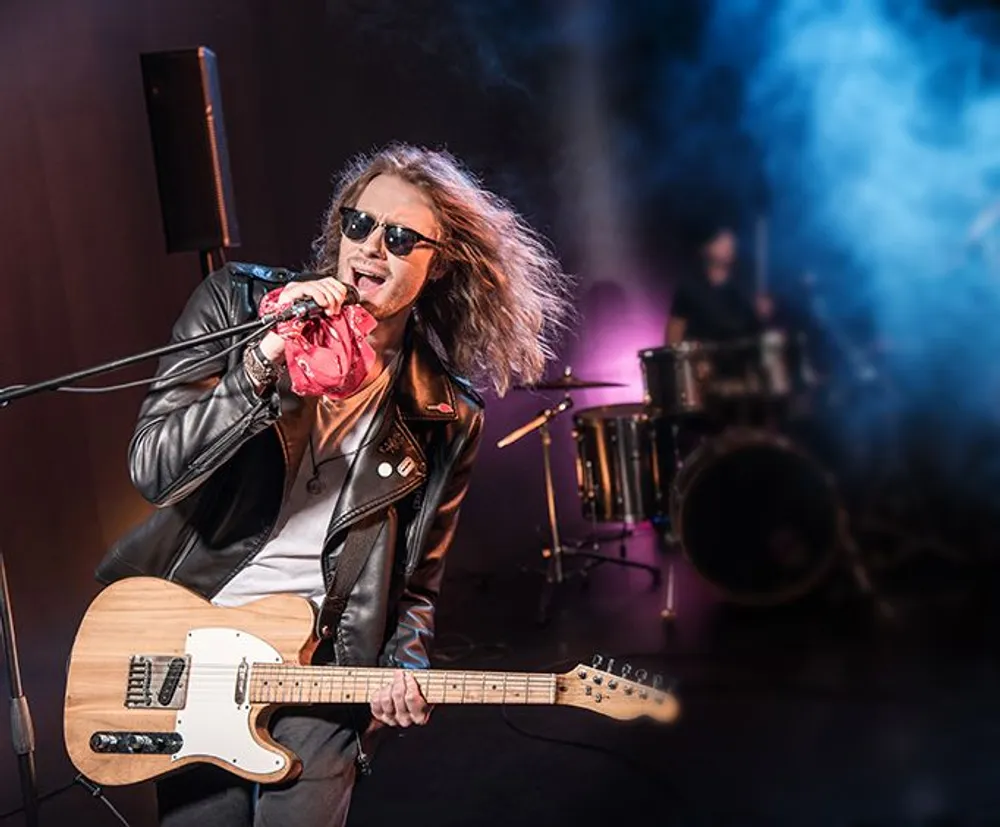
(211, 260)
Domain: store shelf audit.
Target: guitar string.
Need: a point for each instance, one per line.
(532, 687)
(343, 671)
(225, 673)
(327, 672)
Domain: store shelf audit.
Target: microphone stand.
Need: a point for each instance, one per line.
(8, 395)
(22, 730)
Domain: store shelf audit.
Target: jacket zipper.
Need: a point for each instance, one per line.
(219, 449)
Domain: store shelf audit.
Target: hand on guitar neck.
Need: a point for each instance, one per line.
(400, 703)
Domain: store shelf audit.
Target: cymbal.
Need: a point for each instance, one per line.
(564, 383)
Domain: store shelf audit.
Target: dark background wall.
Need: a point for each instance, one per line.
(602, 125)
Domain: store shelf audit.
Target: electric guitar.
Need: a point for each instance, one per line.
(160, 679)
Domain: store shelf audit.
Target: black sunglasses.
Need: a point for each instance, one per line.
(399, 240)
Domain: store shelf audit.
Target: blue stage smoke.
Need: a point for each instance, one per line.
(879, 126)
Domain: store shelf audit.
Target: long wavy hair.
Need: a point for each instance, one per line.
(501, 299)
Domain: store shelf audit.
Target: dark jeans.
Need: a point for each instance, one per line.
(324, 740)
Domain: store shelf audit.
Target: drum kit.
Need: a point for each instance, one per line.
(705, 456)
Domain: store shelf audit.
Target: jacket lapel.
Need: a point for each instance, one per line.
(393, 463)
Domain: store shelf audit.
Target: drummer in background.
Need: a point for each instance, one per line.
(709, 304)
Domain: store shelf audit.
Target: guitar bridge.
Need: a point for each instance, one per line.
(157, 681)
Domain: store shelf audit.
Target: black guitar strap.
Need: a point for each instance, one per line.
(358, 544)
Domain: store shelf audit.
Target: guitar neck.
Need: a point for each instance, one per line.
(294, 684)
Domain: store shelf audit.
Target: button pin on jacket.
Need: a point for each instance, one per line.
(384, 469)
(441, 407)
(406, 467)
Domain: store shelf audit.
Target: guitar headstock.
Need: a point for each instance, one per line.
(622, 696)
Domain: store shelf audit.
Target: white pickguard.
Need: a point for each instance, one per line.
(211, 722)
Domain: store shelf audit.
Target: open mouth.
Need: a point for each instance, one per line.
(366, 281)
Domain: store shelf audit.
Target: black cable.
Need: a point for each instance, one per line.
(94, 790)
(658, 781)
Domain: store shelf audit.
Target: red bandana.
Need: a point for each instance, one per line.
(327, 355)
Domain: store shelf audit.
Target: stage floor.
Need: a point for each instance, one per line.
(820, 713)
(826, 712)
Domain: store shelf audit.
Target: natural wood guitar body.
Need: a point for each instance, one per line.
(160, 678)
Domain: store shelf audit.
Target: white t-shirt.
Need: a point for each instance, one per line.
(289, 563)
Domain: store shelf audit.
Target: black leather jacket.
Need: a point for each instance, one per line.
(216, 459)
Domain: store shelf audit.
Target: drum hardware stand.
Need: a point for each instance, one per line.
(595, 539)
(858, 569)
(672, 542)
(554, 572)
(668, 613)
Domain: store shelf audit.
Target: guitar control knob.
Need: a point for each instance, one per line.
(139, 743)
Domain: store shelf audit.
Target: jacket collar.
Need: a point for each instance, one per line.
(394, 464)
(423, 390)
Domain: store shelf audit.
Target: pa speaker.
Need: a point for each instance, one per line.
(184, 107)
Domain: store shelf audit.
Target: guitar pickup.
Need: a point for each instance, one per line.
(157, 681)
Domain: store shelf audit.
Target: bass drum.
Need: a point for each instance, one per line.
(755, 516)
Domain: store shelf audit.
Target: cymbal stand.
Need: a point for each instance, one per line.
(555, 573)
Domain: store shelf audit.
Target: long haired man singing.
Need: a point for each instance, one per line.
(352, 433)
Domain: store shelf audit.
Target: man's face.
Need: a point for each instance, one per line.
(720, 256)
(389, 284)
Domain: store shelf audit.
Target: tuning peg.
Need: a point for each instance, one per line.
(626, 670)
(611, 665)
(640, 677)
(657, 682)
(597, 661)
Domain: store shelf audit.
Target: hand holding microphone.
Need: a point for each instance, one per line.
(329, 296)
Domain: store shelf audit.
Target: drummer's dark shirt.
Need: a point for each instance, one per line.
(714, 313)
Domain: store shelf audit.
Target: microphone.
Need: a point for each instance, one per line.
(309, 308)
